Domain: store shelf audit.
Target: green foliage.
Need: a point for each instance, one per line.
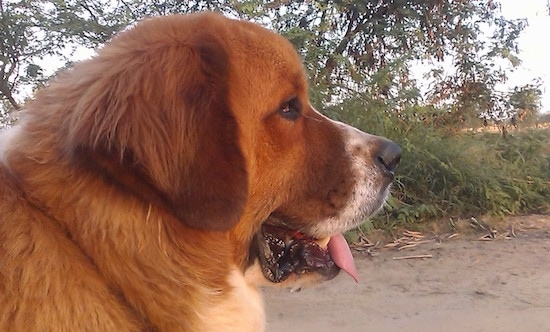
(459, 176)
(527, 97)
(368, 47)
(448, 173)
(31, 30)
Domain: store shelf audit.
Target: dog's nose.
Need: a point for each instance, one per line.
(389, 156)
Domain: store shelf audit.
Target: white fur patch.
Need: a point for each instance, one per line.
(241, 311)
(7, 139)
(369, 192)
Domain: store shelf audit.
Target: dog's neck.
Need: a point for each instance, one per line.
(84, 204)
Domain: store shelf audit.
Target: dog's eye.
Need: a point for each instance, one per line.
(291, 109)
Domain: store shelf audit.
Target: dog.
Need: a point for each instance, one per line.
(158, 185)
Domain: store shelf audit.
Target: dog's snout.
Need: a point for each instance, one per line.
(389, 156)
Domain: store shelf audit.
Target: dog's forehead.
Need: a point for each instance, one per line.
(273, 56)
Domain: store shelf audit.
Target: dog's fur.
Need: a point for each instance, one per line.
(134, 183)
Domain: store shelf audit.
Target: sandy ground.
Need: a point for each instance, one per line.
(467, 285)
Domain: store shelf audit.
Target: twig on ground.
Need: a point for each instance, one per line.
(364, 245)
(491, 233)
(409, 240)
(452, 236)
(414, 257)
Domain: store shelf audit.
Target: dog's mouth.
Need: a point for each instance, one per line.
(283, 252)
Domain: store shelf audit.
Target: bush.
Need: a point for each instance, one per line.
(446, 172)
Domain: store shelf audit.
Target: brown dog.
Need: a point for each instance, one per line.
(154, 186)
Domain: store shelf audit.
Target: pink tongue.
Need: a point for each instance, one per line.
(341, 255)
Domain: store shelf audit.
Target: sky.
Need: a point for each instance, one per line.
(533, 44)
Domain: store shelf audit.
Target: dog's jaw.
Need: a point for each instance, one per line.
(371, 161)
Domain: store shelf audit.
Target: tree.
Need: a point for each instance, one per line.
(33, 29)
(369, 46)
(20, 43)
(526, 102)
(527, 97)
(30, 30)
(359, 48)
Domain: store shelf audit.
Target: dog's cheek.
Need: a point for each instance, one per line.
(326, 177)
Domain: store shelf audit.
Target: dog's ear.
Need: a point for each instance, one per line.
(158, 119)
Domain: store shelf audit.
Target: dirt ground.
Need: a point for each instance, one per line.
(476, 282)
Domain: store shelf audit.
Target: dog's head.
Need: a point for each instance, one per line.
(209, 118)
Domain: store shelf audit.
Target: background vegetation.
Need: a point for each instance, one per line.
(363, 58)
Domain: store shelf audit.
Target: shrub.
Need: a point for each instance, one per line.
(451, 173)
